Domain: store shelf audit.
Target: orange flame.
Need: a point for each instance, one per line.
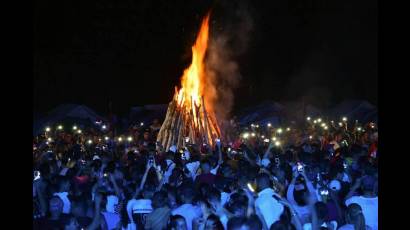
(193, 81)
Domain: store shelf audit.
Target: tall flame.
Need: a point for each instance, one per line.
(187, 115)
(193, 79)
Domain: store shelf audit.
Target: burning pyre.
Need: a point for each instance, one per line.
(188, 119)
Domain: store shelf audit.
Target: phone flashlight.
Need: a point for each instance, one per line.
(266, 140)
(300, 167)
(250, 187)
(36, 175)
(324, 192)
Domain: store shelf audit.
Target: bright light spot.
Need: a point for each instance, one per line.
(279, 130)
(89, 142)
(323, 124)
(319, 120)
(315, 121)
(257, 126)
(262, 136)
(288, 129)
(308, 118)
(340, 124)
(129, 139)
(310, 137)
(344, 118)
(325, 127)
(49, 139)
(106, 138)
(359, 128)
(266, 140)
(60, 127)
(253, 134)
(79, 131)
(104, 127)
(74, 127)
(245, 135)
(142, 124)
(274, 139)
(120, 139)
(48, 129)
(269, 124)
(277, 143)
(250, 187)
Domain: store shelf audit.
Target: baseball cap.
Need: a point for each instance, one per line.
(141, 206)
(335, 185)
(265, 162)
(96, 157)
(173, 149)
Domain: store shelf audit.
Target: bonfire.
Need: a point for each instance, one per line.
(188, 120)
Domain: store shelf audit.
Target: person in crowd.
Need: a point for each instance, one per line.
(300, 180)
(355, 219)
(368, 201)
(187, 209)
(266, 204)
(158, 218)
(177, 222)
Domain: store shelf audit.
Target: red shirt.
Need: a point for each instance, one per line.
(207, 178)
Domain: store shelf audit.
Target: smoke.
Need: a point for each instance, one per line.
(229, 39)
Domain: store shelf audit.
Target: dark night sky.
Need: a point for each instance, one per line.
(133, 52)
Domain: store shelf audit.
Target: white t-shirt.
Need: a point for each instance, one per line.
(333, 226)
(269, 207)
(370, 209)
(189, 212)
(351, 227)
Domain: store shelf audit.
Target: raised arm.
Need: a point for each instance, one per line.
(144, 178)
(354, 188)
(41, 197)
(97, 213)
(315, 221)
(295, 218)
(291, 189)
(116, 188)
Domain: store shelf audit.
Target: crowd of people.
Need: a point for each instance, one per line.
(315, 175)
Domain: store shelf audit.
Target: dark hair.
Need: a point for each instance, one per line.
(254, 223)
(236, 223)
(263, 181)
(214, 194)
(237, 202)
(355, 216)
(321, 210)
(186, 193)
(173, 221)
(279, 225)
(160, 199)
(217, 221)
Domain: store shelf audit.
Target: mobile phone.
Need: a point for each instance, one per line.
(300, 167)
(250, 187)
(36, 175)
(324, 192)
